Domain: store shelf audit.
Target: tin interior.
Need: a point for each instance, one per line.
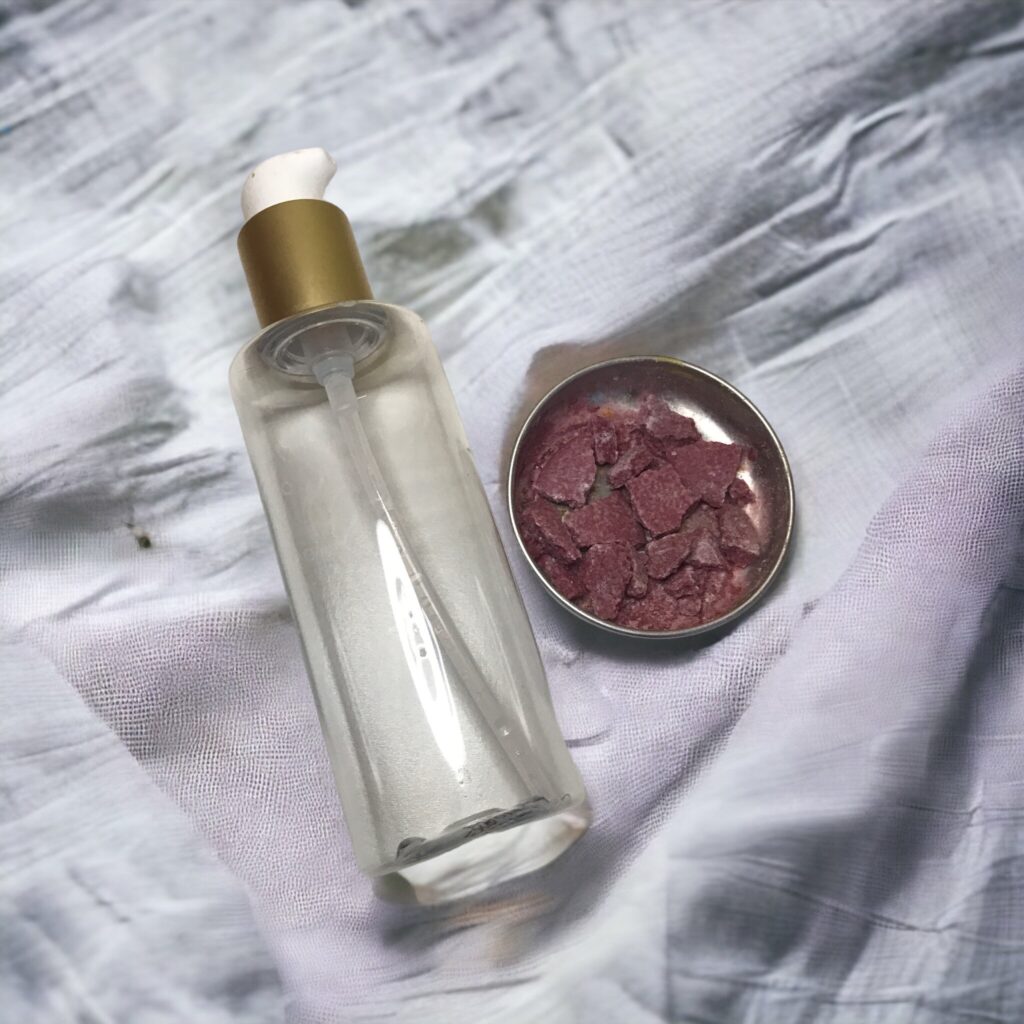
(721, 414)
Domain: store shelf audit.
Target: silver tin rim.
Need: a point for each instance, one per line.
(668, 634)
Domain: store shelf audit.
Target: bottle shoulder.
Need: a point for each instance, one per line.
(396, 342)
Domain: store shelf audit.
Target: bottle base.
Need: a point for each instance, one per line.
(481, 854)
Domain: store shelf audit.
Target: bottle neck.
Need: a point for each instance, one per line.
(351, 331)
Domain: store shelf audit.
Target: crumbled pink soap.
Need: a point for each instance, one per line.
(636, 519)
(567, 472)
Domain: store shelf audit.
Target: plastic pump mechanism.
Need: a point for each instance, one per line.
(326, 345)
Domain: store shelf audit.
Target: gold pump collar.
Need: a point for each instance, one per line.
(300, 255)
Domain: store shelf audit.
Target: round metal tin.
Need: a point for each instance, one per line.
(722, 413)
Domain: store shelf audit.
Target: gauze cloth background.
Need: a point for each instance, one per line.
(820, 817)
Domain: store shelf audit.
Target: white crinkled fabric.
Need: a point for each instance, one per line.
(820, 817)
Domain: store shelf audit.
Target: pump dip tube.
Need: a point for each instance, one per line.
(451, 768)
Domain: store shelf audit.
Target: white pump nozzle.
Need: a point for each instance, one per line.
(301, 174)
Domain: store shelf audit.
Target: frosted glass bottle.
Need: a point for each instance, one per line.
(451, 768)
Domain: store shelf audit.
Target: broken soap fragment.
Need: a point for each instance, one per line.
(667, 553)
(740, 543)
(605, 521)
(638, 582)
(632, 461)
(606, 441)
(660, 499)
(543, 522)
(664, 423)
(707, 468)
(568, 470)
(562, 577)
(605, 572)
